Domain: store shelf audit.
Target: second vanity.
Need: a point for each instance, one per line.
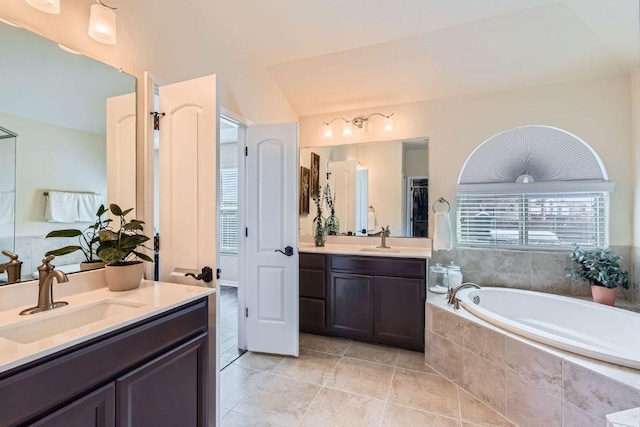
(361, 292)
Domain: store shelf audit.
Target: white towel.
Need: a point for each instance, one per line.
(442, 238)
(61, 207)
(88, 205)
(371, 221)
(7, 207)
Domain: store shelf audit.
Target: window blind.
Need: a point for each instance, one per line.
(229, 210)
(533, 221)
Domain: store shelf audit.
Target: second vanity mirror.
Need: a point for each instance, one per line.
(375, 184)
(70, 127)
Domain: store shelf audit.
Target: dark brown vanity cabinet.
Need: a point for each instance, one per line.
(152, 373)
(374, 299)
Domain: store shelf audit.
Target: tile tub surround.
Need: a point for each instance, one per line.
(530, 383)
(533, 270)
(336, 382)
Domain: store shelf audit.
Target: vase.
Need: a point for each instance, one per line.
(603, 295)
(125, 276)
(333, 224)
(91, 265)
(319, 231)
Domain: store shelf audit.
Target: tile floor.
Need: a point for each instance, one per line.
(337, 382)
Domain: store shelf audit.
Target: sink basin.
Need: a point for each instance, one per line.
(46, 324)
(381, 250)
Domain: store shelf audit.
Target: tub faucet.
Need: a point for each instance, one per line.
(384, 234)
(452, 298)
(46, 274)
(13, 267)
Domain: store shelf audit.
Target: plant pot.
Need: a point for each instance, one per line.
(602, 295)
(125, 276)
(93, 265)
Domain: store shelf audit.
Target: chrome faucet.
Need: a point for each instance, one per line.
(46, 274)
(451, 294)
(13, 267)
(384, 235)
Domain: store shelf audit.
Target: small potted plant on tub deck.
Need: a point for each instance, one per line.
(89, 241)
(120, 251)
(601, 268)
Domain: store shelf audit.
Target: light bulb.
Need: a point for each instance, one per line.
(327, 132)
(102, 24)
(387, 125)
(347, 130)
(49, 6)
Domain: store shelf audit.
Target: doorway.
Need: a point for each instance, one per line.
(417, 206)
(231, 145)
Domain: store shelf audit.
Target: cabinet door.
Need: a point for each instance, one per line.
(312, 315)
(399, 311)
(168, 391)
(351, 305)
(97, 409)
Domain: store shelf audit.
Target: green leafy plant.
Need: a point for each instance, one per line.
(319, 226)
(88, 239)
(121, 247)
(599, 267)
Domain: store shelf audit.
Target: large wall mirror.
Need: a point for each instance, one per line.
(67, 125)
(372, 185)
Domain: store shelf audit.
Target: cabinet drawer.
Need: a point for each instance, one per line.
(312, 283)
(379, 266)
(312, 261)
(312, 315)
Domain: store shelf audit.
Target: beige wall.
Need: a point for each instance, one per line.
(53, 158)
(597, 111)
(635, 120)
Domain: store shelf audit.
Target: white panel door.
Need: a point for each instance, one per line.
(188, 179)
(272, 226)
(343, 186)
(121, 150)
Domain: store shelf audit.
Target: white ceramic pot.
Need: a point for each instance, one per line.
(86, 266)
(124, 277)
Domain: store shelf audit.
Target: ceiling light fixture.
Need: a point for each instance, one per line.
(48, 6)
(359, 122)
(102, 23)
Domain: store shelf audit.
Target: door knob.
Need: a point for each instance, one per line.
(288, 251)
(206, 275)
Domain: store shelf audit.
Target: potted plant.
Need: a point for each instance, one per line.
(601, 268)
(88, 239)
(319, 225)
(119, 250)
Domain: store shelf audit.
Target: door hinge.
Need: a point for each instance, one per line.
(246, 151)
(246, 312)
(246, 232)
(156, 119)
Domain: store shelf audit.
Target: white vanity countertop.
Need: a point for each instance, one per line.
(367, 250)
(150, 299)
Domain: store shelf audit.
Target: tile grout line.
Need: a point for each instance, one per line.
(459, 403)
(386, 400)
(323, 386)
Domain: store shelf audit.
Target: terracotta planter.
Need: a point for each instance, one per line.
(124, 277)
(603, 295)
(86, 266)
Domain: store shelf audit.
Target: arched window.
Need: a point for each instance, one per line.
(533, 187)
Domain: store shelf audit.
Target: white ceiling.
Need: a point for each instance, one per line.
(42, 82)
(336, 55)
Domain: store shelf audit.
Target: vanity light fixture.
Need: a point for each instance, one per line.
(48, 6)
(359, 122)
(68, 49)
(102, 23)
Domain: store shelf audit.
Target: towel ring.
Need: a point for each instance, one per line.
(441, 200)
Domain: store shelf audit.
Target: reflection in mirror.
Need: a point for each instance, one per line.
(75, 121)
(374, 184)
(7, 194)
